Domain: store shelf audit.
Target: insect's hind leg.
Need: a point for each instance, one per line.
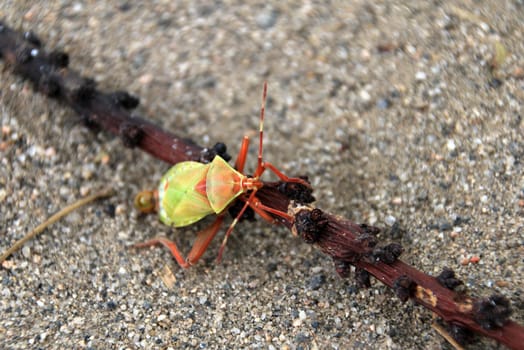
(200, 245)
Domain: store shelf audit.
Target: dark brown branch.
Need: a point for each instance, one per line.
(346, 242)
(108, 111)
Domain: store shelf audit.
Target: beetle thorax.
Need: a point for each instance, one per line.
(250, 183)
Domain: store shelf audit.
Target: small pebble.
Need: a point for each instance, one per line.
(145, 79)
(451, 146)
(84, 190)
(8, 264)
(6, 130)
(3, 194)
(383, 103)
(474, 259)
(390, 220)
(502, 284)
(266, 18)
(396, 200)
(364, 96)
(26, 251)
(420, 76)
(120, 209)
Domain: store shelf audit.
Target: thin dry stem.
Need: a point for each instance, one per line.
(54, 218)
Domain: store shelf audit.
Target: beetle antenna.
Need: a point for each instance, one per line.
(261, 130)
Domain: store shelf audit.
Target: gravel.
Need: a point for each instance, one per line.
(397, 111)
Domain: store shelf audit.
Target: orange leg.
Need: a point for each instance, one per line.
(203, 240)
(263, 211)
(260, 209)
(281, 176)
(200, 245)
(233, 224)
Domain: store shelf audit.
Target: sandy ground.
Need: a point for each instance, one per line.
(391, 109)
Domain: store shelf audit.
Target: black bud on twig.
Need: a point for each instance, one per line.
(91, 121)
(310, 224)
(32, 38)
(219, 149)
(404, 288)
(492, 312)
(49, 86)
(388, 254)
(85, 93)
(372, 230)
(24, 55)
(59, 59)
(342, 267)
(362, 278)
(125, 100)
(131, 134)
(367, 241)
(297, 192)
(447, 279)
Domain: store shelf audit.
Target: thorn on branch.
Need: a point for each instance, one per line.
(85, 93)
(492, 312)
(362, 278)
(24, 55)
(388, 254)
(404, 287)
(342, 267)
(310, 224)
(32, 38)
(59, 59)
(367, 240)
(131, 134)
(372, 230)
(49, 86)
(297, 192)
(125, 100)
(91, 121)
(447, 279)
(219, 149)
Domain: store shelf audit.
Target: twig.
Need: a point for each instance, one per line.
(54, 218)
(346, 242)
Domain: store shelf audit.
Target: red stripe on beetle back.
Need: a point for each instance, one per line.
(201, 188)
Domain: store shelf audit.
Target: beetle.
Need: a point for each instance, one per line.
(191, 190)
